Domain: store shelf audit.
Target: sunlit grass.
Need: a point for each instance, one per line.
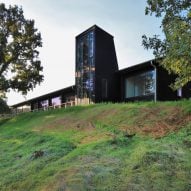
(135, 146)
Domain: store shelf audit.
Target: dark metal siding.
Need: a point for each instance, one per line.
(186, 91)
(106, 66)
(164, 80)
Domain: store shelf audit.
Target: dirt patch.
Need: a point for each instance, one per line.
(69, 124)
(106, 113)
(158, 121)
(93, 138)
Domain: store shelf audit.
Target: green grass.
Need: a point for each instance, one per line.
(141, 146)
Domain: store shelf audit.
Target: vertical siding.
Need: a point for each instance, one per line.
(164, 80)
(106, 66)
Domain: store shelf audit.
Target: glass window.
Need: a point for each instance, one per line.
(179, 92)
(129, 87)
(85, 69)
(140, 85)
(91, 44)
(44, 103)
(35, 106)
(56, 101)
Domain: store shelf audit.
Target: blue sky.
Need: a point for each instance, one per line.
(61, 20)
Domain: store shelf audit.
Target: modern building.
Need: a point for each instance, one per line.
(60, 98)
(149, 81)
(96, 65)
(98, 79)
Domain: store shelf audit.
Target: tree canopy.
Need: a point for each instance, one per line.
(20, 67)
(175, 46)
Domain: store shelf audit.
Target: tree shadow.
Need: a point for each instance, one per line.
(3, 120)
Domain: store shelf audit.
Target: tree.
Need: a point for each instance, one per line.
(20, 67)
(175, 47)
(4, 108)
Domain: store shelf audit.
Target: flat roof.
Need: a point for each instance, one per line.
(45, 96)
(138, 66)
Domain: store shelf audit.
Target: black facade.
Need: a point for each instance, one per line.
(52, 99)
(153, 82)
(138, 82)
(96, 64)
(97, 78)
(85, 67)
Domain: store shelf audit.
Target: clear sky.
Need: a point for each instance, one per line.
(59, 21)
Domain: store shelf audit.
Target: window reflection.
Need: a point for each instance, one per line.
(85, 68)
(44, 103)
(56, 101)
(140, 85)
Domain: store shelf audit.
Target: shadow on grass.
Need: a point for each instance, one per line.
(4, 120)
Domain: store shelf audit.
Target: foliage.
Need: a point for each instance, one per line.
(4, 108)
(175, 47)
(20, 67)
(87, 148)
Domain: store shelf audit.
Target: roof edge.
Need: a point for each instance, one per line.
(94, 27)
(44, 95)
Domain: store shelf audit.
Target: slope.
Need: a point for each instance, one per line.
(134, 146)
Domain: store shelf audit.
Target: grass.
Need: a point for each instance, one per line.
(141, 146)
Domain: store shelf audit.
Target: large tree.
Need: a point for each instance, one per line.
(20, 67)
(175, 45)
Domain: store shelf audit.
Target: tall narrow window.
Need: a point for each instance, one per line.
(85, 68)
(179, 92)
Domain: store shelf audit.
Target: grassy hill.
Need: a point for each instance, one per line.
(127, 147)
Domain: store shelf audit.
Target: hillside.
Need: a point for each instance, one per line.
(115, 147)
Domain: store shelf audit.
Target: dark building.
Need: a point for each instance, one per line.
(149, 81)
(59, 98)
(96, 64)
(97, 78)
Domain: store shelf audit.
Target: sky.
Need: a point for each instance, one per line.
(61, 20)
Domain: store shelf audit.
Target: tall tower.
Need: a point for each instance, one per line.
(96, 64)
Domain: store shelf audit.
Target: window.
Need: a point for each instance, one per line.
(85, 68)
(35, 106)
(56, 101)
(44, 103)
(91, 44)
(179, 92)
(140, 85)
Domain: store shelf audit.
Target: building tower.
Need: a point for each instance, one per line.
(96, 64)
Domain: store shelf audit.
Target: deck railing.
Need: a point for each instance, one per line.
(45, 108)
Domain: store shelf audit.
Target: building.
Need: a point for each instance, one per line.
(60, 98)
(96, 65)
(98, 79)
(149, 81)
